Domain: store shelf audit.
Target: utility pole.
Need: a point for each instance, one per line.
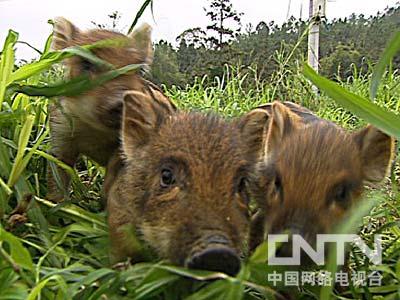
(316, 14)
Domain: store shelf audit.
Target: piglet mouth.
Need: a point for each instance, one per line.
(216, 255)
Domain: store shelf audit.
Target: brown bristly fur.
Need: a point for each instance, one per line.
(209, 157)
(89, 124)
(312, 173)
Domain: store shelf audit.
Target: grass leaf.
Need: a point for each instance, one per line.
(140, 13)
(260, 254)
(350, 225)
(18, 167)
(387, 56)
(74, 86)
(35, 293)
(7, 62)
(363, 108)
(19, 254)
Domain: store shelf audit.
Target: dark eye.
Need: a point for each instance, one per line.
(87, 66)
(278, 184)
(242, 190)
(341, 194)
(167, 178)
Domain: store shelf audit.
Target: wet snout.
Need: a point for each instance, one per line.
(217, 255)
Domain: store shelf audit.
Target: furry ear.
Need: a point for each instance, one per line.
(377, 151)
(142, 41)
(63, 33)
(253, 127)
(283, 122)
(142, 117)
(305, 114)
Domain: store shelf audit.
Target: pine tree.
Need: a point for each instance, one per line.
(220, 12)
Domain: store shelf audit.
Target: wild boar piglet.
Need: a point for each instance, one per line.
(312, 172)
(89, 123)
(183, 184)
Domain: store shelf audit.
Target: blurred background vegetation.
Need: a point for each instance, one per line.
(345, 44)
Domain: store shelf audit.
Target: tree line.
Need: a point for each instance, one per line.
(346, 43)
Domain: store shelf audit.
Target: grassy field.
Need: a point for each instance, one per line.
(50, 251)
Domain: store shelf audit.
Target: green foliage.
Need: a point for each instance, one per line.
(165, 69)
(7, 62)
(354, 42)
(341, 61)
(372, 113)
(387, 57)
(74, 86)
(364, 108)
(386, 121)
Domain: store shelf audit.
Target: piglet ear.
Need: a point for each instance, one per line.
(142, 117)
(282, 122)
(253, 126)
(377, 151)
(142, 42)
(63, 33)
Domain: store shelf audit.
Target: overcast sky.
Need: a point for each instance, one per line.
(171, 17)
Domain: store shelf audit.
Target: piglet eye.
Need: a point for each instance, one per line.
(242, 189)
(278, 184)
(242, 184)
(167, 178)
(87, 66)
(341, 194)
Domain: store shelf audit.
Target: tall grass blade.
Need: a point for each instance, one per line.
(22, 144)
(89, 56)
(351, 225)
(51, 58)
(7, 62)
(200, 275)
(31, 151)
(363, 108)
(386, 58)
(29, 70)
(19, 254)
(260, 254)
(76, 213)
(75, 86)
(215, 290)
(154, 287)
(5, 187)
(234, 290)
(36, 291)
(47, 45)
(140, 13)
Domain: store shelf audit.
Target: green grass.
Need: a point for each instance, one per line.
(50, 251)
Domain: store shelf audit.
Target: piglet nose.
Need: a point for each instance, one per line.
(216, 258)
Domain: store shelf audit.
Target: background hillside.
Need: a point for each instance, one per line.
(355, 41)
